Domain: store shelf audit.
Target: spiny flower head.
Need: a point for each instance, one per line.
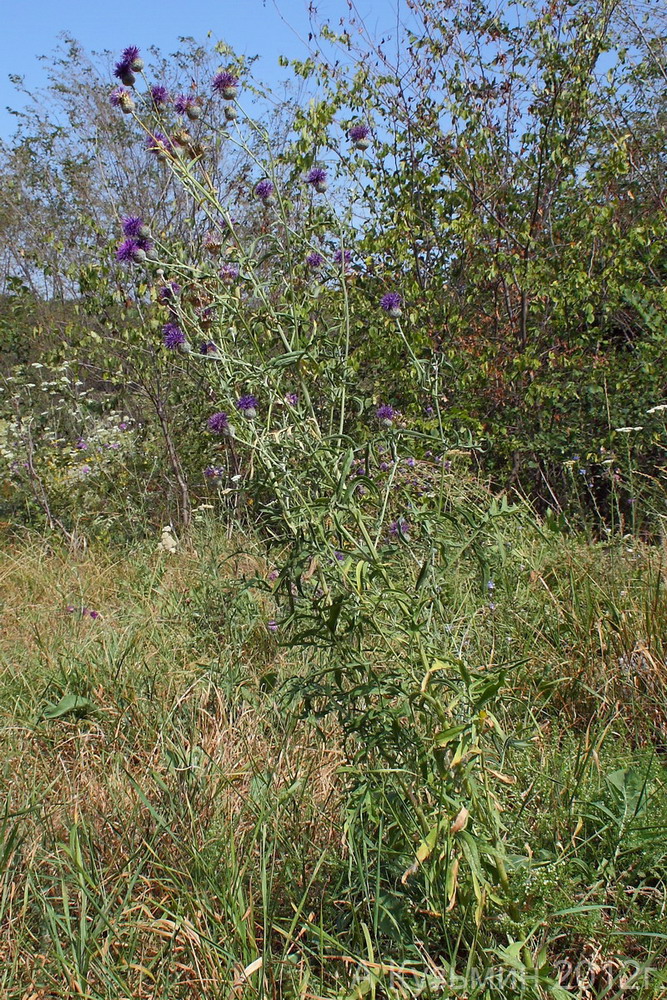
(341, 257)
(265, 191)
(391, 303)
(226, 84)
(169, 291)
(359, 132)
(122, 98)
(400, 529)
(172, 336)
(131, 57)
(208, 347)
(159, 96)
(229, 273)
(160, 144)
(132, 250)
(135, 226)
(314, 260)
(317, 178)
(247, 405)
(385, 414)
(188, 104)
(218, 423)
(123, 71)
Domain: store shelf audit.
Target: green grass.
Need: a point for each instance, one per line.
(176, 825)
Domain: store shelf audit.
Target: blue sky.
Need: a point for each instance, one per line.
(267, 28)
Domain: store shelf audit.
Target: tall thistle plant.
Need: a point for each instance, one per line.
(363, 513)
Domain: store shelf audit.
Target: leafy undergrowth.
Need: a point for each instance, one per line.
(194, 807)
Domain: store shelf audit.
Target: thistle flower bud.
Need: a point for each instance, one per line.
(231, 113)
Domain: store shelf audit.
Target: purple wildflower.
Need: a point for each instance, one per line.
(317, 178)
(159, 96)
(292, 398)
(218, 423)
(272, 625)
(314, 260)
(400, 529)
(266, 192)
(172, 336)
(131, 56)
(169, 291)
(247, 405)
(135, 227)
(491, 585)
(132, 250)
(160, 144)
(70, 609)
(227, 85)
(94, 614)
(391, 303)
(123, 425)
(187, 104)
(411, 462)
(229, 273)
(123, 72)
(342, 258)
(121, 98)
(81, 444)
(359, 135)
(214, 473)
(208, 347)
(385, 414)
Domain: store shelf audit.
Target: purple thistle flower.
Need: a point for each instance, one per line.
(131, 56)
(292, 398)
(343, 259)
(219, 423)
(227, 85)
(385, 414)
(172, 336)
(208, 347)
(266, 192)
(400, 529)
(391, 303)
(131, 251)
(314, 260)
(160, 144)
(359, 135)
(187, 104)
(159, 96)
(317, 178)
(229, 273)
(214, 472)
(135, 227)
(169, 291)
(123, 71)
(121, 98)
(247, 405)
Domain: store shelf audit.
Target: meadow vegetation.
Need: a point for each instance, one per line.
(332, 658)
